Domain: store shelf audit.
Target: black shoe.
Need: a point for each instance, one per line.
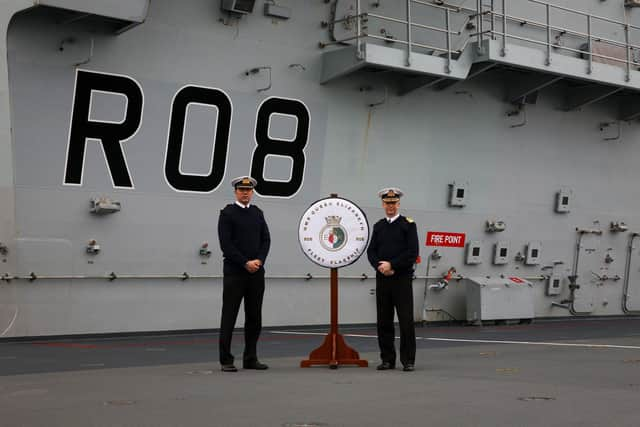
(385, 366)
(408, 367)
(255, 365)
(228, 368)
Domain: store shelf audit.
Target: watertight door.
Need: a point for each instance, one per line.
(589, 257)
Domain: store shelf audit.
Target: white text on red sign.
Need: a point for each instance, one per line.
(439, 238)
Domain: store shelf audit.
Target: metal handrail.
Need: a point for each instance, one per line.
(452, 8)
(360, 34)
(628, 61)
(480, 13)
(359, 29)
(627, 44)
(562, 47)
(32, 277)
(559, 29)
(579, 12)
(413, 24)
(425, 46)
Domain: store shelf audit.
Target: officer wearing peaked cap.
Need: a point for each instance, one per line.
(245, 241)
(244, 182)
(392, 252)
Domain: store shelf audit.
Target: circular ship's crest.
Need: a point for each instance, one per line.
(333, 236)
(333, 232)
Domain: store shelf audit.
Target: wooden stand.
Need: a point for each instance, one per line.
(334, 350)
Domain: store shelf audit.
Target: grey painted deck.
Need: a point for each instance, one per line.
(582, 372)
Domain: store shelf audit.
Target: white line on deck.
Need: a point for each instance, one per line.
(551, 344)
(556, 344)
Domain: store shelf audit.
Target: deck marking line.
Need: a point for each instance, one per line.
(297, 333)
(322, 334)
(556, 344)
(552, 344)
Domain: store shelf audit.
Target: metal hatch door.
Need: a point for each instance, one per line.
(587, 260)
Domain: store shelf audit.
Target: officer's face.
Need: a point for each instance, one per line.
(243, 195)
(391, 208)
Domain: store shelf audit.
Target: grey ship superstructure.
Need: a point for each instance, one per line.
(512, 126)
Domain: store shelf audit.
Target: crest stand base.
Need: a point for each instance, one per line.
(334, 351)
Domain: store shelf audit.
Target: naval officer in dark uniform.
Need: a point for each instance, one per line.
(393, 251)
(244, 240)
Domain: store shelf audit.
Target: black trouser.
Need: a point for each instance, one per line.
(235, 288)
(395, 293)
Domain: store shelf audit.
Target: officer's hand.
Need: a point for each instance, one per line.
(389, 273)
(250, 267)
(384, 267)
(253, 265)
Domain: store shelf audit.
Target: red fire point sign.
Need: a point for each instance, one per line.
(516, 279)
(440, 238)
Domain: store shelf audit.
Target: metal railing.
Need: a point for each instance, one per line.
(110, 277)
(496, 15)
(589, 36)
(362, 19)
